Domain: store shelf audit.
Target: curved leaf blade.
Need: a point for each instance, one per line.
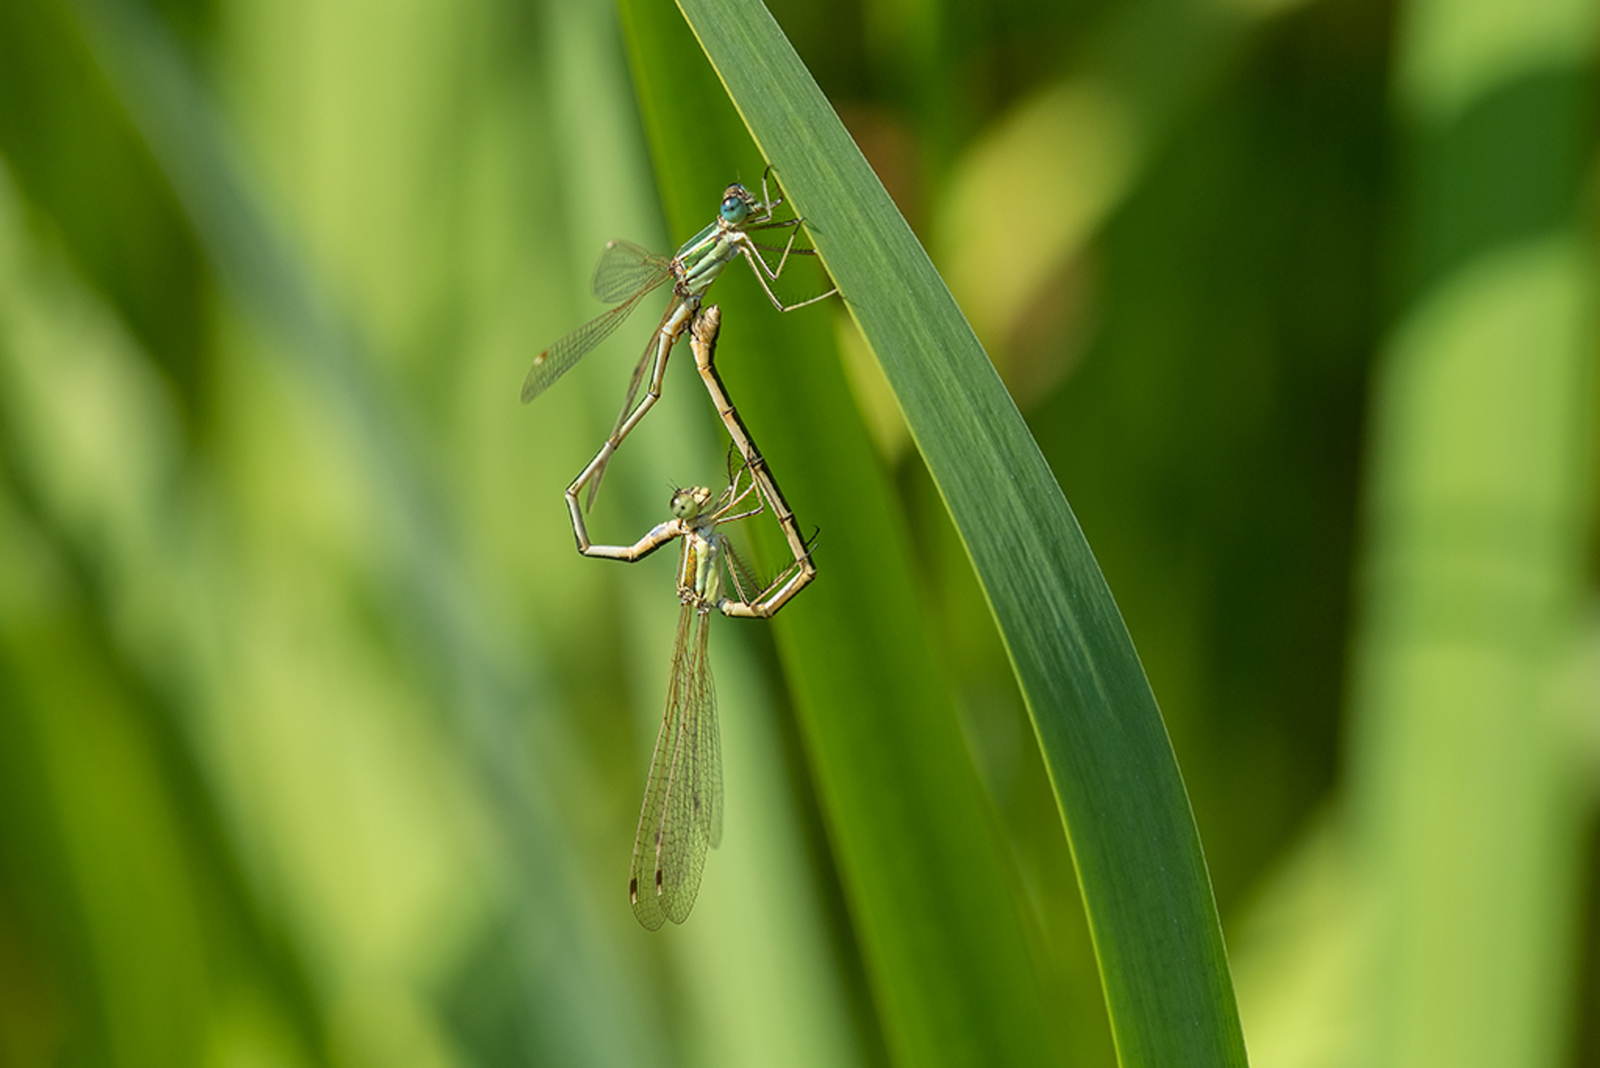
(1122, 800)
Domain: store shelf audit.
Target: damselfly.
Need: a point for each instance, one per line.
(627, 273)
(703, 342)
(682, 813)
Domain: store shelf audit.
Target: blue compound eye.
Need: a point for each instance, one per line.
(734, 206)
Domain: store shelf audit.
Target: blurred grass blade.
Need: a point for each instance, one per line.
(1133, 836)
(588, 1007)
(1468, 813)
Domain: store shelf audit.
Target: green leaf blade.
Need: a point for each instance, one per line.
(1140, 864)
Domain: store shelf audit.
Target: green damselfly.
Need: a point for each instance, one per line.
(681, 818)
(626, 274)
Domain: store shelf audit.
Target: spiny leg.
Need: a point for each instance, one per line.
(745, 247)
(777, 594)
(793, 226)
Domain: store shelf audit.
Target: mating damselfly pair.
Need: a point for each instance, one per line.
(682, 813)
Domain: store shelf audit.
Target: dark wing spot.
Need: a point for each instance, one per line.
(633, 890)
(658, 880)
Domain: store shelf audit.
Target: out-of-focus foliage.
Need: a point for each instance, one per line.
(319, 745)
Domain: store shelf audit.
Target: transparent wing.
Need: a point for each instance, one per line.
(625, 270)
(647, 878)
(558, 359)
(708, 754)
(682, 814)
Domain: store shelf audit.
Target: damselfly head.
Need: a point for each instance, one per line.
(690, 501)
(737, 204)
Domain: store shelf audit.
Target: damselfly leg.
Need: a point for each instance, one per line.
(627, 273)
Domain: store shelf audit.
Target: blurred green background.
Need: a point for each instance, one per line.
(320, 745)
